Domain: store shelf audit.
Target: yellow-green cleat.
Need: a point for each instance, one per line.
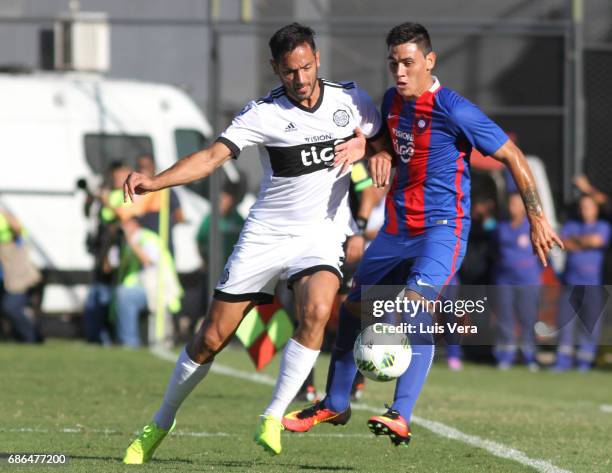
(268, 434)
(142, 448)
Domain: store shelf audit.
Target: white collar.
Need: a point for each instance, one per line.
(435, 86)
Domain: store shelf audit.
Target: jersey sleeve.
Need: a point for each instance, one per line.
(482, 132)
(245, 130)
(368, 117)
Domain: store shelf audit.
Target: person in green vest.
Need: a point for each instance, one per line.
(105, 234)
(139, 269)
(13, 304)
(150, 218)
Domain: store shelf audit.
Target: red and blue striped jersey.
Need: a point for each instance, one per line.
(433, 138)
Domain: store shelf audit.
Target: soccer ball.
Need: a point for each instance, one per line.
(382, 356)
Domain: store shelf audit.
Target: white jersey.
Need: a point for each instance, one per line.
(300, 190)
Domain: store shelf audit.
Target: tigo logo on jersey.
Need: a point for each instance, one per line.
(324, 155)
(403, 150)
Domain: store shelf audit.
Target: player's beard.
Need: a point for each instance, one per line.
(306, 94)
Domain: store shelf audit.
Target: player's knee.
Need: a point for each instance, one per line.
(317, 313)
(212, 342)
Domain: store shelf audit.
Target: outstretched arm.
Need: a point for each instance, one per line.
(543, 237)
(188, 169)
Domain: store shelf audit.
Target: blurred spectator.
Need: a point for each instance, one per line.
(230, 225)
(150, 216)
(480, 255)
(517, 273)
(100, 207)
(139, 269)
(17, 275)
(583, 184)
(585, 240)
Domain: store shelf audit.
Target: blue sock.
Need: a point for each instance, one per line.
(453, 351)
(529, 356)
(410, 384)
(342, 368)
(504, 354)
(565, 360)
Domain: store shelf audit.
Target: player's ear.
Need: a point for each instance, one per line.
(274, 66)
(318, 58)
(430, 60)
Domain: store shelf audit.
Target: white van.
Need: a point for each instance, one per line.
(56, 128)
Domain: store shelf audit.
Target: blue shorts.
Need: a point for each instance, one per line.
(424, 263)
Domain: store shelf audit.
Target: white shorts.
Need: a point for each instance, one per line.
(263, 255)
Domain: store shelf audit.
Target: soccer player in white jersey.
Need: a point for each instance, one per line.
(294, 231)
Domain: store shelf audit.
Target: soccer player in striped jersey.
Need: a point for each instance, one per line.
(294, 231)
(432, 130)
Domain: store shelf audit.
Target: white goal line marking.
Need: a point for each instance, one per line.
(607, 408)
(495, 448)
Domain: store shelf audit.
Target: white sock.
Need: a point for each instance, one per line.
(186, 376)
(296, 364)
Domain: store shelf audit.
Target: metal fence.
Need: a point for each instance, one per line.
(598, 77)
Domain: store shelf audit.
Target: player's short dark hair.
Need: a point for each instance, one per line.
(290, 37)
(410, 33)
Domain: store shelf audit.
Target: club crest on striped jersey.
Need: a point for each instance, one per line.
(422, 123)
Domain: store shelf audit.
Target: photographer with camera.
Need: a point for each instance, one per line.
(102, 243)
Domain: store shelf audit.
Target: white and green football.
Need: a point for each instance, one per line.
(380, 354)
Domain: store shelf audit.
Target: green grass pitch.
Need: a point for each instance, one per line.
(87, 402)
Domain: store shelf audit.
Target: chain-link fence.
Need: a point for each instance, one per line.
(598, 77)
